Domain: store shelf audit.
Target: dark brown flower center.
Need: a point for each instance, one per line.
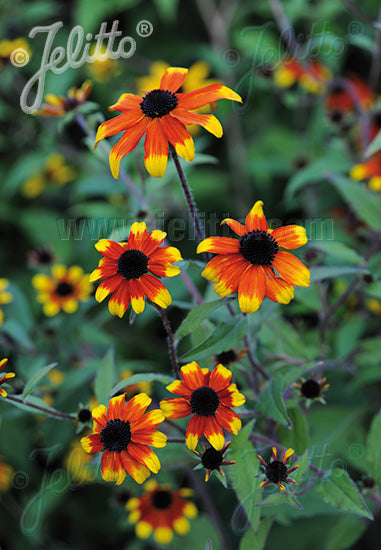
(258, 247)
(132, 264)
(162, 499)
(84, 415)
(276, 471)
(116, 435)
(211, 459)
(227, 357)
(64, 289)
(158, 103)
(204, 401)
(310, 389)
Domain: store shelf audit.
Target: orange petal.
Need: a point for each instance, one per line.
(230, 277)
(219, 245)
(116, 407)
(251, 289)
(291, 269)
(213, 432)
(277, 289)
(220, 378)
(235, 226)
(144, 455)
(138, 235)
(176, 408)
(110, 249)
(198, 98)
(126, 102)
(107, 287)
(195, 430)
(217, 265)
(228, 419)
(193, 375)
(179, 387)
(179, 137)
(173, 79)
(118, 124)
(156, 149)
(111, 467)
(136, 406)
(153, 241)
(120, 300)
(209, 122)
(153, 438)
(290, 236)
(147, 422)
(256, 219)
(92, 443)
(126, 144)
(99, 415)
(137, 294)
(155, 290)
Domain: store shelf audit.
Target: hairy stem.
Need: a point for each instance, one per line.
(50, 412)
(170, 342)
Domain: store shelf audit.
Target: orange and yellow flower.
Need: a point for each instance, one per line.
(162, 511)
(311, 75)
(102, 67)
(162, 115)
(6, 476)
(55, 172)
(254, 265)
(5, 296)
(63, 289)
(77, 463)
(277, 471)
(209, 397)
(5, 377)
(131, 270)
(369, 170)
(229, 357)
(344, 96)
(123, 433)
(60, 105)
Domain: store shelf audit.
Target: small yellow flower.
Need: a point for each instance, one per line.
(63, 289)
(5, 296)
(56, 172)
(104, 67)
(77, 463)
(374, 305)
(6, 476)
(60, 105)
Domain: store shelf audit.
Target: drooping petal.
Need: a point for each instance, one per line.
(291, 269)
(179, 137)
(228, 419)
(107, 287)
(145, 455)
(256, 218)
(156, 149)
(217, 265)
(235, 226)
(137, 295)
(126, 102)
(198, 98)
(155, 290)
(213, 432)
(195, 430)
(138, 471)
(290, 236)
(219, 245)
(176, 408)
(193, 375)
(209, 122)
(126, 144)
(173, 79)
(230, 277)
(220, 378)
(277, 289)
(251, 289)
(111, 467)
(118, 124)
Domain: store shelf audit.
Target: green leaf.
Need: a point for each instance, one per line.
(105, 377)
(346, 531)
(297, 438)
(224, 337)
(243, 479)
(341, 492)
(331, 271)
(142, 377)
(256, 540)
(284, 497)
(33, 381)
(338, 250)
(196, 316)
(366, 204)
(373, 448)
(270, 402)
(374, 145)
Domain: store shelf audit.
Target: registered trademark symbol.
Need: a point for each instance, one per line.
(144, 28)
(356, 28)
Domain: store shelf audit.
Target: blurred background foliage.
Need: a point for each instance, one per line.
(278, 147)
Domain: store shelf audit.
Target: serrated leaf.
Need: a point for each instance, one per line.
(338, 250)
(196, 316)
(256, 540)
(366, 204)
(341, 492)
(270, 402)
(105, 377)
(32, 382)
(138, 378)
(374, 145)
(223, 338)
(331, 271)
(373, 448)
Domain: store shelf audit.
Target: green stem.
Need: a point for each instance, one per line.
(50, 412)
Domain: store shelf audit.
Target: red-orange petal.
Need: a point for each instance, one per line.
(290, 236)
(136, 406)
(118, 124)
(120, 300)
(138, 235)
(198, 98)
(220, 378)
(219, 245)
(195, 430)
(214, 433)
(127, 102)
(251, 289)
(109, 248)
(126, 144)
(154, 290)
(144, 455)
(138, 471)
(235, 226)
(277, 289)
(156, 149)
(152, 242)
(291, 269)
(173, 79)
(176, 408)
(228, 419)
(255, 220)
(179, 137)
(209, 122)
(92, 443)
(193, 375)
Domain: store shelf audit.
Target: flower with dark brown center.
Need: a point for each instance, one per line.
(311, 389)
(211, 459)
(276, 471)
